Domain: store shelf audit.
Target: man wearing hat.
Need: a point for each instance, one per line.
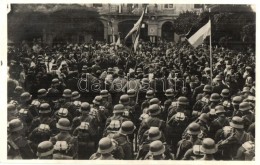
(75, 98)
(213, 102)
(45, 150)
(88, 117)
(245, 112)
(207, 90)
(246, 151)
(190, 138)
(237, 138)
(107, 101)
(19, 147)
(41, 98)
(12, 112)
(219, 85)
(45, 117)
(169, 93)
(105, 148)
(225, 94)
(193, 153)
(209, 148)
(38, 135)
(67, 103)
(175, 127)
(25, 103)
(234, 109)
(117, 86)
(182, 105)
(199, 89)
(154, 120)
(122, 138)
(157, 151)
(220, 122)
(64, 128)
(149, 95)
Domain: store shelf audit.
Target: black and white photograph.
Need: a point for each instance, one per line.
(131, 81)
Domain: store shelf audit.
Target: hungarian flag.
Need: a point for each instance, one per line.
(199, 32)
(135, 31)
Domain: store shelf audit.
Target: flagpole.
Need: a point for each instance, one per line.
(210, 52)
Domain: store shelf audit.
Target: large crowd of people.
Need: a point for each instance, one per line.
(100, 101)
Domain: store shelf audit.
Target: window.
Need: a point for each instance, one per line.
(97, 4)
(168, 6)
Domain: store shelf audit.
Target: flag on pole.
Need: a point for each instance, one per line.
(137, 26)
(199, 32)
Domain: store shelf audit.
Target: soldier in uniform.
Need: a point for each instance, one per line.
(26, 113)
(62, 113)
(245, 112)
(209, 148)
(236, 138)
(225, 94)
(234, 109)
(169, 93)
(45, 150)
(44, 117)
(117, 87)
(220, 122)
(64, 135)
(107, 101)
(197, 108)
(111, 126)
(154, 120)
(38, 135)
(175, 127)
(122, 138)
(60, 150)
(88, 117)
(190, 139)
(219, 85)
(182, 105)
(145, 104)
(41, 98)
(19, 147)
(210, 107)
(86, 138)
(156, 151)
(67, 103)
(12, 112)
(105, 149)
(75, 98)
(246, 151)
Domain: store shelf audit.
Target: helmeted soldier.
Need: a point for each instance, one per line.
(44, 118)
(193, 153)
(154, 120)
(236, 138)
(220, 122)
(199, 89)
(88, 117)
(225, 94)
(197, 108)
(41, 98)
(68, 103)
(189, 140)
(156, 151)
(105, 149)
(12, 112)
(145, 104)
(219, 85)
(122, 138)
(246, 114)
(26, 113)
(107, 101)
(55, 88)
(113, 123)
(209, 148)
(234, 106)
(17, 93)
(117, 86)
(64, 135)
(210, 107)
(175, 127)
(60, 150)
(75, 98)
(169, 93)
(86, 140)
(38, 135)
(45, 150)
(19, 147)
(182, 105)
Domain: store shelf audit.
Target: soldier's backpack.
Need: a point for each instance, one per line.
(112, 128)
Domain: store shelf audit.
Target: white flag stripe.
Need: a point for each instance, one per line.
(197, 38)
(136, 42)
